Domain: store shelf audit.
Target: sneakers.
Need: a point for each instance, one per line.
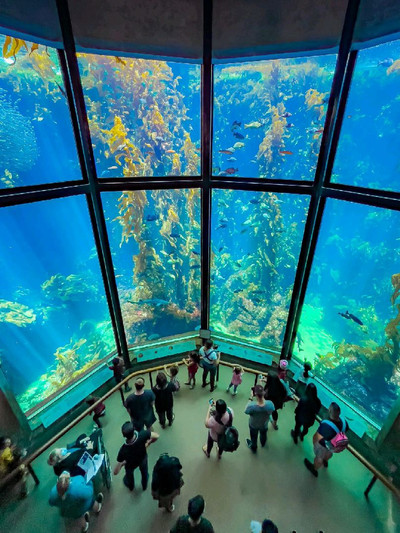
(326, 464)
(171, 508)
(294, 436)
(170, 421)
(204, 385)
(310, 467)
(187, 383)
(275, 425)
(228, 389)
(205, 451)
(86, 526)
(234, 393)
(212, 389)
(99, 500)
(250, 445)
(301, 437)
(145, 482)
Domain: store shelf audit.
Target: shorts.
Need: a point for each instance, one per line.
(321, 452)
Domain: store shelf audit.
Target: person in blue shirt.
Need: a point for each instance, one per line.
(75, 498)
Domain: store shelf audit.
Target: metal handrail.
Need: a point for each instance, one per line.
(27, 461)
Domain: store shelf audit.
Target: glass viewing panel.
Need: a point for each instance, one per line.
(144, 116)
(349, 328)
(36, 139)
(54, 321)
(256, 239)
(269, 117)
(155, 243)
(367, 155)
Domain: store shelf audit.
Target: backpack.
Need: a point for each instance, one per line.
(340, 441)
(228, 441)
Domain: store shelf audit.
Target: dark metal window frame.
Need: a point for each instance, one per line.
(318, 190)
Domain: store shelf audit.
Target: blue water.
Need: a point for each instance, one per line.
(144, 119)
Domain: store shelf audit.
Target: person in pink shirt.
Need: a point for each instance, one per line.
(218, 418)
(236, 379)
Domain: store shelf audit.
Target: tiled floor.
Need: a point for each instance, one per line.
(273, 483)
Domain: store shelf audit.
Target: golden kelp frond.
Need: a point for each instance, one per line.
(191, 157)
(314, 98)
(394, 67)
(16, 313)
(44, 66)
(9, 180)
(131, 207)
(12, 46)
(176, 164)
(273, 136)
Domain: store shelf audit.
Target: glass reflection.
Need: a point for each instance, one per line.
(371, 125)
(155, 242)
(349, 324)
(256, 239)
(54, 321)
(144, 116)
(269, 117)
(36, 139)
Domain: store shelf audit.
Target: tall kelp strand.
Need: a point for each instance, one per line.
(139, 117)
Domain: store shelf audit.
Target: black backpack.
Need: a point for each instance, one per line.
(228, 441)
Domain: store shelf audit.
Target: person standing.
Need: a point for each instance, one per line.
(306, 412)
(140, 406)
(236, 379)
(164, 402)
(98, 411)
(266, 526)
(75, 498)
(209, 359)
(193, 522)
(218, 418)
(118, 368)
(167, 481)
(259, 414)
(133, 454)
(276, 392)
(192, 363)
(324, 446)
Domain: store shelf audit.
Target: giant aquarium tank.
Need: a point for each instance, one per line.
(325, 292)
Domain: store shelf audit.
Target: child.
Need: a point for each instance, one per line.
(282, 375)
(303, 377)
(192, 363)
(118, 368)
(98, 411)
(172, 372)
(236, 379)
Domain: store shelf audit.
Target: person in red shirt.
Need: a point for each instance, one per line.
(192, 363)
(98, 411)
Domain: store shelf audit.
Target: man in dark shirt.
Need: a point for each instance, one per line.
(322, 437)
(140, 406)
(133, 454)
(193, 522)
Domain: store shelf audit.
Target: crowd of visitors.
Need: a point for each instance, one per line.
(75, 495)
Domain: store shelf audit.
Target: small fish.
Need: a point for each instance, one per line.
(221, 226)
(170, 152)
(195, 252)
(289, 125)
(349, 316)
(194, 266)
(238, 263)
(238, 145)
(228, 152)
(255, 201)
(151, 218)
(386, 62)
(253, 125)
(174, 235)
(321, 130)
(221, 248)
(286, 114)
(112, 168)
(285, 152)
(153, 337)
(232, 159)
(238, 290)
(243, 231)
(238, 135)
(231, 170)
(236, 124)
